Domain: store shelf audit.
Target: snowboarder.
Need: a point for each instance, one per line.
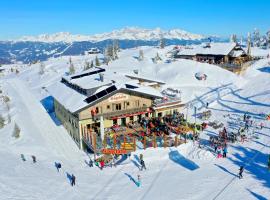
(73, 179)
(241, 172)
(225, 150)
(22, 157)
(142, 165)
(34, 159)
(139, 181)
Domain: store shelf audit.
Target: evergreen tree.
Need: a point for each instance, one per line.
(41, 68)
(234, 38)
(86, 65)
(249, 45)
(2, 121)
(256, 38)
(16, 131)
(97, 61)
(91, 64)
(71, 67)
(162, 43)
(141, 56)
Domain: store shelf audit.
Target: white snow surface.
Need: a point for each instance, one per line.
(186, 172)
(128, 33)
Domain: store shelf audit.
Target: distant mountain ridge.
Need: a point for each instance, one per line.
(128, 33)
(30, 49)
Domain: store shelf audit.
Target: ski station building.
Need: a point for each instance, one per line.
(89, 103)
(215, 53)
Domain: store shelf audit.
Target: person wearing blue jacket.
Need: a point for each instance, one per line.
(225, 151)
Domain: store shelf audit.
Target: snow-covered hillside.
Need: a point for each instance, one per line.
(128, 33)
(186, 172)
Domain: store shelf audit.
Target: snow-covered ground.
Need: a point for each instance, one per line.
(186, 172)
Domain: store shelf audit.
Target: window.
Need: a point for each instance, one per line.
(131, 118)
(97, 110)
(118, 106)
(108, 107)
(114, 121)
(127, 103)
(137, 103)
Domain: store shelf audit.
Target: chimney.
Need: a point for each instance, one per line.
(101, 77)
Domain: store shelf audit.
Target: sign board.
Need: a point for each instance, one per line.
(118, 97)
(114, 151)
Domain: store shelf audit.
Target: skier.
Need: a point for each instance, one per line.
(90, 163)
(141, 157)
(22, 157)
(219, 152)
(58, 166)
(215, 146)
(241, 172)
(73, 180)
(207, 104)
(142, 165)
(139, 181)
(245, 117)
(225, 151)
(34, 159)
(261, 125)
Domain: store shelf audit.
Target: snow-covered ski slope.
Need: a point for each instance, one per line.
(186, 172)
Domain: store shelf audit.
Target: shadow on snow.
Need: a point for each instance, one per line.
(176, 157)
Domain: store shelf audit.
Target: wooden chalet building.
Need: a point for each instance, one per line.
(215, 53)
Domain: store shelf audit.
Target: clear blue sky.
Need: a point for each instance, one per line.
(221, 17)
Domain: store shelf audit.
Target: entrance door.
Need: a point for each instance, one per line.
(123, 121)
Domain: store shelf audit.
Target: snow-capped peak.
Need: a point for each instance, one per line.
(128, 33)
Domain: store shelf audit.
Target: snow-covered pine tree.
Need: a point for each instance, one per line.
(71, 67)
(233, 38)
(141, 56)
(97, 61)
(16, 131)
(86, 65)
(91, 64)
(41, 68)
(162, 43)
(256, 38)
(2, 121)
(268, 38)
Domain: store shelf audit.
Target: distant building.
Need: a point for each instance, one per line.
(93, 51)
(91, 101)
(215, 53)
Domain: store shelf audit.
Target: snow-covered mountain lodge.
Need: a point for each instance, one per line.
(89, 102)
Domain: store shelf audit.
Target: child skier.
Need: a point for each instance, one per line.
(241, 172)
(219, 152)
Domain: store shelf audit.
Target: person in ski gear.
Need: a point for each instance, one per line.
(225, 151)
(241, 169)
(23, 157)
(34, 159)
(245, 117)
(139, 180)
(90, 163)
(215, 146)
(142, 165)
(58, 166)
(102, 164)
(219, 152)
(73, 180)
(141, 157)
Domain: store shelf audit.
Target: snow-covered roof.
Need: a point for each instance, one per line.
(214, 49)
(74, 101)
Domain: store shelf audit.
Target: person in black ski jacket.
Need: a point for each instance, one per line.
(73, 180)
(241, 172)
(143, 165)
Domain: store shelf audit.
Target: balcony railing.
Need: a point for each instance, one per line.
(121, 112)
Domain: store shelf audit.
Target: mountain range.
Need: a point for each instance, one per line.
(34, 48)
